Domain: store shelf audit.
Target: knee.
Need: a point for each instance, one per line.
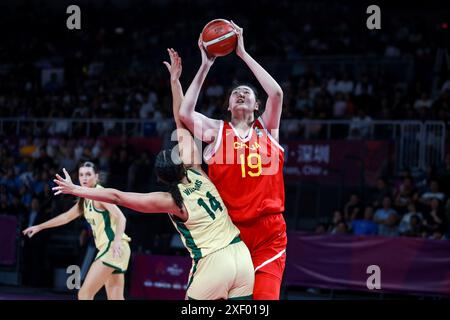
(114, 292)
(84, 294)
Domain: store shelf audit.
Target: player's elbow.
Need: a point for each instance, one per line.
(279, 93)
(276, 95)
(184, 114)
(185, 117)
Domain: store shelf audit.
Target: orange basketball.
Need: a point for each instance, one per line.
(219, 38)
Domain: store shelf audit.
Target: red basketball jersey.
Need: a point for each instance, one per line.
(248, 173)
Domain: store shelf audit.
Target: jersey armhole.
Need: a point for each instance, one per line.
(98, 209)
(212, 148)
(260, 120)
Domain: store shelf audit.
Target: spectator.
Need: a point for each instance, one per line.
(438, 235)
(11, 182)
(366, 226)
(444, 175)
(435, 219)
(67, 159)
(44, 161)
(364, 87)
(409, 226)
(341, 228)
(340, 106)
(147, 109)
(338, 217)
(321, 229)
(345, 85)
(424, 178)
(432, 193)
(423, 102)
(382, 190)
(28, 148)
(405, 195)
(360, 126)
(353, 209)
(387, 219)
(415, 229)
(303, 102)
(17, 208)
(26, 196)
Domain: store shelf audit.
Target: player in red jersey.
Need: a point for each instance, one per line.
(246, 164)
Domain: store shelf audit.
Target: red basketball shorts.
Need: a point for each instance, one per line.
(266, 240)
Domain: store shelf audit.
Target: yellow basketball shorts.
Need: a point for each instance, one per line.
(119, 264)
(224, 274)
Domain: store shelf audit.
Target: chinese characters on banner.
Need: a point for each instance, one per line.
(330, 162)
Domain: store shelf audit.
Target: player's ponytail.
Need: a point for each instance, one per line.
(170, 170)
(176, 194)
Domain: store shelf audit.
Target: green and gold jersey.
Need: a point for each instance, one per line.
(103, 227)
(209, 227)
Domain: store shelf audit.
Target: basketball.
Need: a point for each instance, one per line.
(219, 38)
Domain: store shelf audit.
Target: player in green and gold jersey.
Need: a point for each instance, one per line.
(108, 227)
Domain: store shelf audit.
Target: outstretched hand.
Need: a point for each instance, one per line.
(31, 231)
(174, 66)
(207, 59)
(240, 49)
(65, 185)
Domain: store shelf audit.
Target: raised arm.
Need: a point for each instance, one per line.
(62, 219)
(187, 148)
(202, 127)
(154, 202)
(272, 113)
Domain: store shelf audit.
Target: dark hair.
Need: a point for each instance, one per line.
(170, 173)
(86, 164)
(256, 113)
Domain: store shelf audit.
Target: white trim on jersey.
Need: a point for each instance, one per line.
(212, 148)
(270, 136)
(279, 254)
(249, 134)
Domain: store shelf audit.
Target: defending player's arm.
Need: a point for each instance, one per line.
(272, 113)
(188, 149)
(202, 127)
(154, 202)
(62, 219)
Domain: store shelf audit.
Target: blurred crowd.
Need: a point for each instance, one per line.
(112, 67)
(411, 206)
(28, 167)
